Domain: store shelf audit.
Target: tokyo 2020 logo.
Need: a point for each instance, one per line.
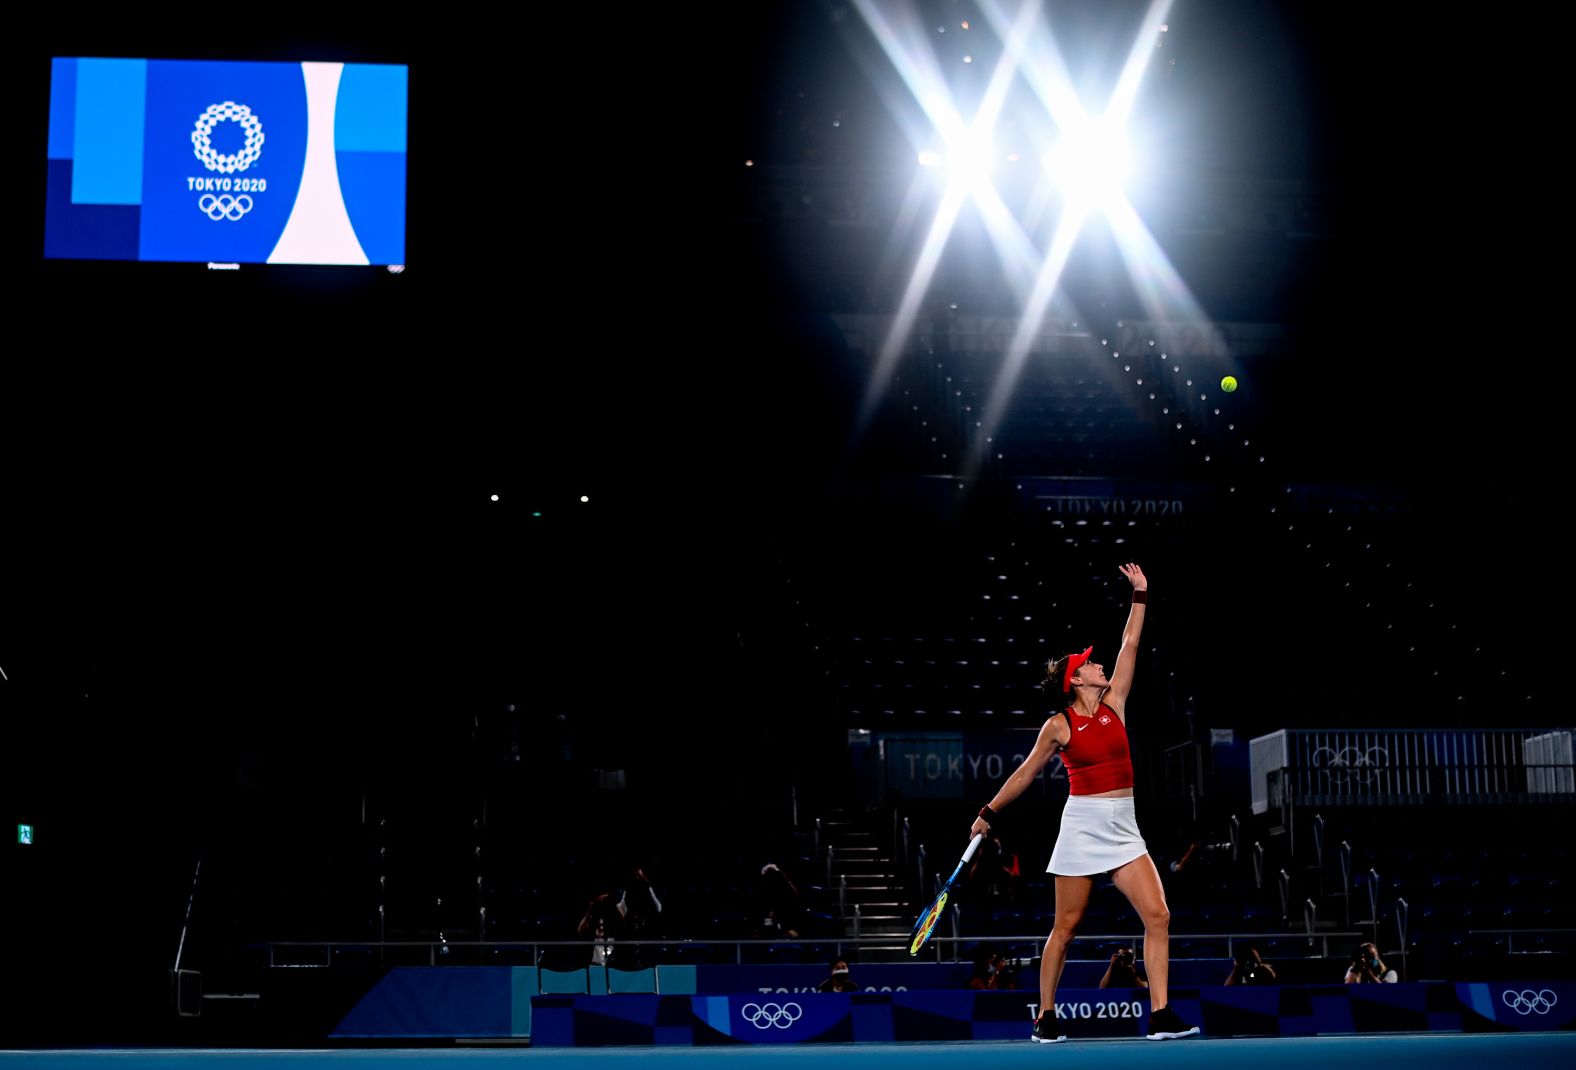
(229, 111)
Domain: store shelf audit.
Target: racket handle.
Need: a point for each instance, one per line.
(974, 845)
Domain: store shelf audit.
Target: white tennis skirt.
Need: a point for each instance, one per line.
(1097, 836)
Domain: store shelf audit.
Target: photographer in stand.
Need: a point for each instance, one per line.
(993, 971)
(1121, 973)
(1368, 968)
(1251, 969)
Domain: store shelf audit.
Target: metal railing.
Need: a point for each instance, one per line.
(1346, 881)
(183, 981)
(1373, 902)
(1412, 766)
(1184, 774)
(1402, 913)
(321, 953)
(1511, 934)
(1283, 807)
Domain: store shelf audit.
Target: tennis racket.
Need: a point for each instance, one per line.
(927, 921)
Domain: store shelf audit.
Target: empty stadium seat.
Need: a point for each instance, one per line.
(633, 982)
(564, 982)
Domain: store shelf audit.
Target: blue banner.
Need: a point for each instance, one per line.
(426, 1002)
(1544, 1005)
(1085, 1013)
(503, 1002)
(774, 1021)
(958, 765)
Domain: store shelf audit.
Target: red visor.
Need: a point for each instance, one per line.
(1074, 663)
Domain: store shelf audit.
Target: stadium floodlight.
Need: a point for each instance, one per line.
(971, 157)
(1089, 163)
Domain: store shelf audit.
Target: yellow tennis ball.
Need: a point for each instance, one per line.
(1229, 383)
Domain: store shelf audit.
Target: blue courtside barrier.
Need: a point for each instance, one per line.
(507, 1002)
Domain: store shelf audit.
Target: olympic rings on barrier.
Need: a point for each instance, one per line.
(765, 1016)
(224, 206)
(1528, 1001)
(1350, 765)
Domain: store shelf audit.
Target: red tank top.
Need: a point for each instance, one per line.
(1096, 757)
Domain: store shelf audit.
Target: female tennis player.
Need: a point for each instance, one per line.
(1099, 833)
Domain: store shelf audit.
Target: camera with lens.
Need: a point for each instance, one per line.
(1124, 956)
(1251, 971)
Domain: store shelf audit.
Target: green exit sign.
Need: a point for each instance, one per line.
(24, 834)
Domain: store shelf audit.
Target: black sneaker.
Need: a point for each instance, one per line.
(1047, 1034)
(1165, 1025)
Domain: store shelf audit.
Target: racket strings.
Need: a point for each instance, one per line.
(928, 924)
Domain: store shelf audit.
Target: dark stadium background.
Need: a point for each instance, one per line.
(251, 562)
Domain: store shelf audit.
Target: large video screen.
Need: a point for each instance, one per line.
(228, 162)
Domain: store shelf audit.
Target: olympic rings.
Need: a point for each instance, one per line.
(765, 1016)
(1350, 764)
(217, 208)
(1529, 1001)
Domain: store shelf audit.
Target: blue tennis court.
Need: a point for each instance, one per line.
(1525, 1051)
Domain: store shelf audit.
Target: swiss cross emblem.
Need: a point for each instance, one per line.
(1105, 718)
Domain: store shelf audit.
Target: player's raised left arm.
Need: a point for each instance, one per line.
(1127, 658)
